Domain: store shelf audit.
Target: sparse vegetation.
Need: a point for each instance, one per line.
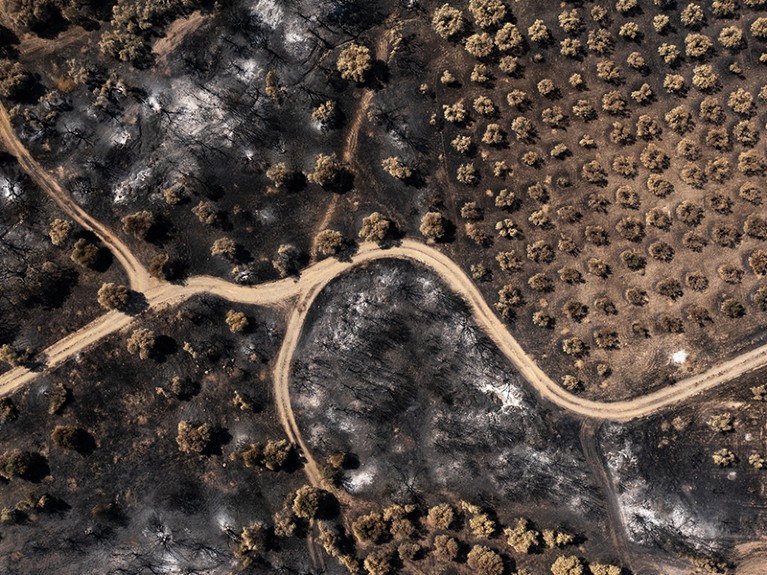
(193, 438)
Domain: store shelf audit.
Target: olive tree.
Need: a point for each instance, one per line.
(447, 21)
(354, 61)
(375, 228)
(138, 224)
(113, 296)
(141, 342)
(329, 242)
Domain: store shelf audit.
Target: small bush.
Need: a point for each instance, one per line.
(193, 438)
(354, 61)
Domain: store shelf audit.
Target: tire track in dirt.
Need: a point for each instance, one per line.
(616, 524)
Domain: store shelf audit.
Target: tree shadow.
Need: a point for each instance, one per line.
(137, 303)
(188, 389)
(348, 251)
(8, 43)
(378, 76)
(294, 462)
(164, 346)
(329, 508)
(449, 232)
(36, 365)
(296, 182)
(415, 180)
(51, 24)
(109, 512)
(343, 181)
(83, 442)
(54, 295)
(51, 504)
(393, 237)
(6, 158)
(104, 260)
(242, 254)
(161, 231)
(37, 468)
(219, 438)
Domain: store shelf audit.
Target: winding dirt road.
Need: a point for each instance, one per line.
(315, 278)
(298, 295)
(304, 291)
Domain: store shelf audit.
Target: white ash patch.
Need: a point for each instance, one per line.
(269, 12)
(360, 303)
(316, 434)
(121, 137)
(154, 104)
(126, 189)
(358, 479)
(308, 401)
(510, 395)
(341, 420)
(448, 473)
(389, 278)
(431, 291)
(648, 518)
(10, 189)
(248, 70)
(198, 112)
(224, 519)
(240, 437)
(266, 216)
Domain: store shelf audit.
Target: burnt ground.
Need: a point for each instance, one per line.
(671, 493)
(408, 386)
(44, 295)
(392, 369)
(132, 502)
(200, 122)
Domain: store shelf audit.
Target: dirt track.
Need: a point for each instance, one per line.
(139, 278)
(306, 289)
(316, 277)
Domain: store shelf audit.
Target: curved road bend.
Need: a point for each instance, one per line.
(316, 277)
